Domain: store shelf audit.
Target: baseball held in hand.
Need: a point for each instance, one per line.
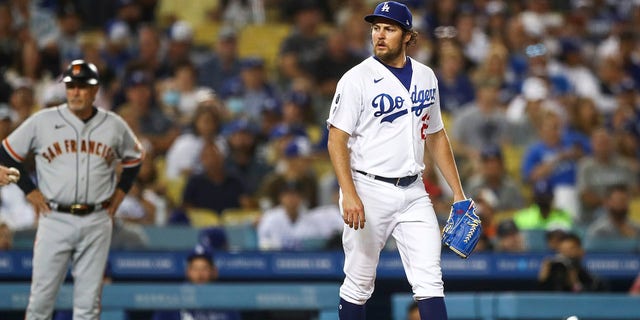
(14, 175)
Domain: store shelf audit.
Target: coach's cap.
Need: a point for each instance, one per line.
(81, 71)
(392, 10)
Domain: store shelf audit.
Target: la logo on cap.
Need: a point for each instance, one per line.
(385, 7)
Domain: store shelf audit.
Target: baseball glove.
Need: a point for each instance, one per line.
(463, 228)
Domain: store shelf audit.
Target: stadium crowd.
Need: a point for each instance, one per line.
(230, 98)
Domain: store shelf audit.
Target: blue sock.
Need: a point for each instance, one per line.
(350, 311)
(432, 309)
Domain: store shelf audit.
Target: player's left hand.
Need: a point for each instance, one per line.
(116, 200)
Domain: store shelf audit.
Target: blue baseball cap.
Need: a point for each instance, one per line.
(392, 10)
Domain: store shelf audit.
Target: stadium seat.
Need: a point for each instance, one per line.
(171, 237)
(634, 209)
(263, 41)
(202, 218)
(205, 34)
(617, 245)
(535, 240)
(239, 225)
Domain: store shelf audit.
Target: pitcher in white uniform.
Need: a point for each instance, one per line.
(77, 148)
(384, 111)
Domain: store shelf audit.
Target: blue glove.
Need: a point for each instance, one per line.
(463, 228)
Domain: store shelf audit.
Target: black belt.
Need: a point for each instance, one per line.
(78, 209)
(401, 182)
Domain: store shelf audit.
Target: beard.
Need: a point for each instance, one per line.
(388, 54)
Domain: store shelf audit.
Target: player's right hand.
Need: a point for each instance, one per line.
(353, 211)
(39, 203)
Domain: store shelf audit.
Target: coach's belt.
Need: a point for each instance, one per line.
(78, 209)
(398, 182)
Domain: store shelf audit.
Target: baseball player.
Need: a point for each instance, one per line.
(77, 147)
(384, 111)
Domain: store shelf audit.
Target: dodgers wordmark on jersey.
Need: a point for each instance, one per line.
(388, 111)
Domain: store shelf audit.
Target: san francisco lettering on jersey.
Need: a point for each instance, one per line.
(83, 146)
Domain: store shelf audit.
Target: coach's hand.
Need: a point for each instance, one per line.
(39, 203)
(116, 200)
(353, 211)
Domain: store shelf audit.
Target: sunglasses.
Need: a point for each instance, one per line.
(79, 85)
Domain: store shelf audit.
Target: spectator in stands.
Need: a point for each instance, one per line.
(179, 48)
(154, 189)
(456, 89)
(242, 157)
(69, 22)
(297, 111)
(22, 100)
(135, 208)
(223, 64)
(182, 158)
(250, 94)
(565, 271)
(335, 60)
(294, 167)
(553, 159)
(180, 93)
(139, 108)
(542, 215)
(6, 236)
(128, 236)
(301, 49)
(150, 51)
(478, 125)
(117, 49)
(473, 40)
(509, 237)
(494, 66)
(492, 181)
(600, 171)
(213, 188)
(290, 225)
(486, 212)
(201, 270)
(553, 237)
(614, 222)
(525, 112)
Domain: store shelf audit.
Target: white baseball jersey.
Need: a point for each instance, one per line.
(387, 124)
(75, 161)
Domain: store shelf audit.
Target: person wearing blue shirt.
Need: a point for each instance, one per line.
(553, 159)
(201, 269)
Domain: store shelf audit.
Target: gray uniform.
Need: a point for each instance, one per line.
(75, 164)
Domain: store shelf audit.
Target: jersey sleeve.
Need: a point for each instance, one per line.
(21, 140)
(346, 105)
(435, 116)
(130, 149)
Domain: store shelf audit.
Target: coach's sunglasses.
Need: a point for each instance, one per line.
(79, 85)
